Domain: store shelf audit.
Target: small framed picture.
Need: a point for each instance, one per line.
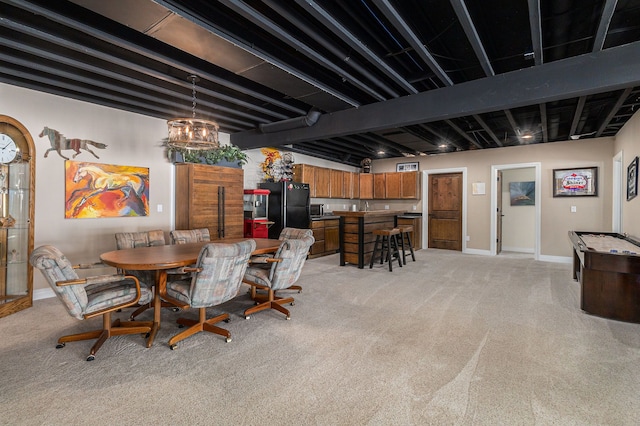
(407, 167)
(575, 182)
(632, 179)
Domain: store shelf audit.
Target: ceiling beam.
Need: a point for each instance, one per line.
(609, 69)
(603, 26)
(470, 30)
(621, 99)
(535, 22)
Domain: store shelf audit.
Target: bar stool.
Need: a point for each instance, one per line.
(386, 242)
(405, 237)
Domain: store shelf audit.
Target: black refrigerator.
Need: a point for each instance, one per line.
(288, 206)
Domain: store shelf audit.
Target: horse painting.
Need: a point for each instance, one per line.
(59, 143)
(96, 192)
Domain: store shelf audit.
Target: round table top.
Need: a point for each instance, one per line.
(173, 256)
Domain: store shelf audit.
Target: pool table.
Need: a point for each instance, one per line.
(608, 268)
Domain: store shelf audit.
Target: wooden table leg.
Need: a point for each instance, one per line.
(161, 281)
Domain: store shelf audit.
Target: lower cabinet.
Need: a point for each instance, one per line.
(327, 235)
(416, 236)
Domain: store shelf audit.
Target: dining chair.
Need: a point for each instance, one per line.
(93, 296)
(129, 240)
(189, 236)
(215, 279)
(285, 270)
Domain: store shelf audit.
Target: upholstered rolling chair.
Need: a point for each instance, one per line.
(295, 234)
(215, 279)
(286, 266)
(189, 236)
(89, 297)
(128, 240)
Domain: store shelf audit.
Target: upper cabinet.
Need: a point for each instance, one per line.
(304, 173)
(17, 180)
(366, 186)
(332, 183)
(337, 184)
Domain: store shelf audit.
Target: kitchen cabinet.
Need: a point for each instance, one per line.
(17, 180)
(322, 182)
(351, 185)
(326, 233)
(410, 185)
(337, 184)
(379, 186)
(210, 197)
(305, 173)
(393, 185)
(416, 235)
(366, 186)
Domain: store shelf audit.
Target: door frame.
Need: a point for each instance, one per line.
(425, 202)
(619, 191)
(538, 200)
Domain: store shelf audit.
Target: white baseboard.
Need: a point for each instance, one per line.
(556, 259)
(43, 293)
(518, 249)
(478, 251)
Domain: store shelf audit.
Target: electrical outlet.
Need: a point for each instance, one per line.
(159, 208)
(573, 209)
(468, 238)
(415, 208)
(386, 206)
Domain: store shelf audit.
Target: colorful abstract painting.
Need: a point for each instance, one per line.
(95, 190)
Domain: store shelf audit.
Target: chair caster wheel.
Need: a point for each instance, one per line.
(60, 345)
(180, 325)
(91, 357)
(228, 339)
(292, 303)
(247, 317)
(228, 320)
(288, 317)
(175, 309)
(146, 336)
(173, 347)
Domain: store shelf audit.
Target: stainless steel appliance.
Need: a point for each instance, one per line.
(316, 210)
(288, 206)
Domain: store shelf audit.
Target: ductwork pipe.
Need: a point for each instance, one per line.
(292, 123)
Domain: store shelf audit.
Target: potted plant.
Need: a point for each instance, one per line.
(225, 155)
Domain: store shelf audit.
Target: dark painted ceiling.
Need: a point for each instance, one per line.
(342, 80)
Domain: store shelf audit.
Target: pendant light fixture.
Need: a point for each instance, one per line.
(192, 133)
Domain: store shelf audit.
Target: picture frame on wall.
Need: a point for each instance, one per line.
(582, 182)
(407, 167)
(632, 179)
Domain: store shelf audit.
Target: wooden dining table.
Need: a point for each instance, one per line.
(163, 258)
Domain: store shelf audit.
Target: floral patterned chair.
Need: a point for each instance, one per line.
(215, 279)
(286, 267)
(89, 297)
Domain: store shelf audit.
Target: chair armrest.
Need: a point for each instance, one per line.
(98, 279)
(183, 270)
(264, 260)
(89, 265)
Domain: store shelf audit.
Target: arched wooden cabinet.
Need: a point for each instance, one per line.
(17, 192)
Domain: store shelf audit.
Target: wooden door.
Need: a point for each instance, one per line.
(499, 214)
(445, 211)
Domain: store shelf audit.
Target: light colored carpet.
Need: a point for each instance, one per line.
(451, 339)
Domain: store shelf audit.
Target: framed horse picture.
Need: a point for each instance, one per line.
(95, 190)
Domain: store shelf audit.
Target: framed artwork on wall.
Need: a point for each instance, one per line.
(407, 167)
(522, 193)
(575, 182)
(632, 179)
(94, 190)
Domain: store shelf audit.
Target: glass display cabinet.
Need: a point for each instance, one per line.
(17, 180)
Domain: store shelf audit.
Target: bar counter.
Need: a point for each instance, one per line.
(356, 237)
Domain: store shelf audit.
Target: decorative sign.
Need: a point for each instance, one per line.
(105, 190)
(575, 182)
(407, 167)
(632, 179)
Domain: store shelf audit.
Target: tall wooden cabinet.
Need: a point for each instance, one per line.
(210, 197)
(17, 190)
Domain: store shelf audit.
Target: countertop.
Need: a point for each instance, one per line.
(325, 217)
(368, 213)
